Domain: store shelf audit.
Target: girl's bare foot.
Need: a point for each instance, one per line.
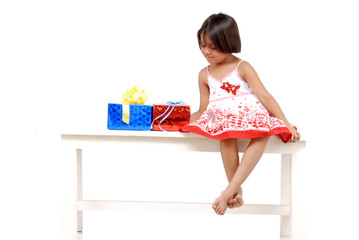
(237, 201)
(221, 203)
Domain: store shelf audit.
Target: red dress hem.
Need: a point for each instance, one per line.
(282, 132)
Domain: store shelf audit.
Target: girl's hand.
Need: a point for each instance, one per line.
(295, 135)
(195, 116)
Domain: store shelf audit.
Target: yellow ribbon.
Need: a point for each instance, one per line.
(132, 96)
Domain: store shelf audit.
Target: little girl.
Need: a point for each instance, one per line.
(234, 104)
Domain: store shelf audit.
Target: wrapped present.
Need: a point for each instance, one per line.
(171, 116)
(131, 114)
(140, 117)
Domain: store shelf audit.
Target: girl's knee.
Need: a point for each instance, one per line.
(263, 140)
(228, 142)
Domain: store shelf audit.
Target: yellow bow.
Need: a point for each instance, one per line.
(132, 96)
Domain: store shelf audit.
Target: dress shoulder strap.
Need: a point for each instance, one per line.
(240, 63)
(238, 74)
(208, 70)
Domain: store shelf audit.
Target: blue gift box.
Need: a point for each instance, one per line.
(140, 117)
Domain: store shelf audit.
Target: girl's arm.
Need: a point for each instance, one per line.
(204, 95)
(268, 101)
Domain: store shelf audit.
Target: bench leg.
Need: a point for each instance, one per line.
(70, 191)
(79, 188)
(299, 195)
(286, 194)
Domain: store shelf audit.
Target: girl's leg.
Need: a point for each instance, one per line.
(251, 156)
(230, 158)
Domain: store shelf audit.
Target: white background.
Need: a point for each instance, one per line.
(61, 62)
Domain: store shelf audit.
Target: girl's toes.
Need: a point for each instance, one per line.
(231, 203)
(218, 210)
(215, 204)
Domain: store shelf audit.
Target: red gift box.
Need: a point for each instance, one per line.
(179, 116)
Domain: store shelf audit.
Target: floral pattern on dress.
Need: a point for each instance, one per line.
(230, 88)
(234, 111)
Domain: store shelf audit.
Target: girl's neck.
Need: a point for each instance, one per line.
(228, 60)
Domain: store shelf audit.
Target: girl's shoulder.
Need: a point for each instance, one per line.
(204, 72)
(244, 68)
(203, 75)
(244, 65)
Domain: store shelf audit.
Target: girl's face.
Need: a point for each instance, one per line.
(210, 52)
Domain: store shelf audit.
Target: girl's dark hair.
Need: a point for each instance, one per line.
(223, 31)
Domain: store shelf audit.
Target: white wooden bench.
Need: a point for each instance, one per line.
(291, 209)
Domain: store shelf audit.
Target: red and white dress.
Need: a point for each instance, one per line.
(234, 111)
